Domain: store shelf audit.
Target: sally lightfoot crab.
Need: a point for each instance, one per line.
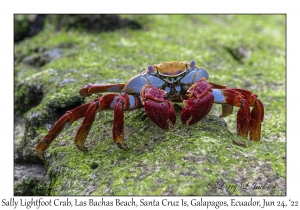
(155, 89)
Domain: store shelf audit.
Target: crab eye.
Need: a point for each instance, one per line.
(192, 64)
(151, 70)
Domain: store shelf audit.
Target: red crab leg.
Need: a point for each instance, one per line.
(157, 108)
(123, 102)
(257, 113)
(234, 98)
(110, 101)
(86, 125)
(229, 97)
(217, 86)
(87, 111)
(70, 116)
(226, 110)
(90, 89)
(118, 125)
(199, 103)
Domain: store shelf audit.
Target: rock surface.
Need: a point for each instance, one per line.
(195, 160)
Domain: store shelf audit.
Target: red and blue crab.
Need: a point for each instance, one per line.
(154, 89)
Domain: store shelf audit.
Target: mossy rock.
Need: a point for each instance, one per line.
(31, 180)
(244, 51)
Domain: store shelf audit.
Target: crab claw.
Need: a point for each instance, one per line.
(157, 108)
(199, 103)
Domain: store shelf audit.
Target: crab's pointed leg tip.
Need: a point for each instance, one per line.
(122, 146)
(82, 148)
(41, 156)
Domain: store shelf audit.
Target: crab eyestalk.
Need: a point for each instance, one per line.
(151, 69)
(192, 64)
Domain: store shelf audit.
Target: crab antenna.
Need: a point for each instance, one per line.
(192, 64)
(150, 69)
